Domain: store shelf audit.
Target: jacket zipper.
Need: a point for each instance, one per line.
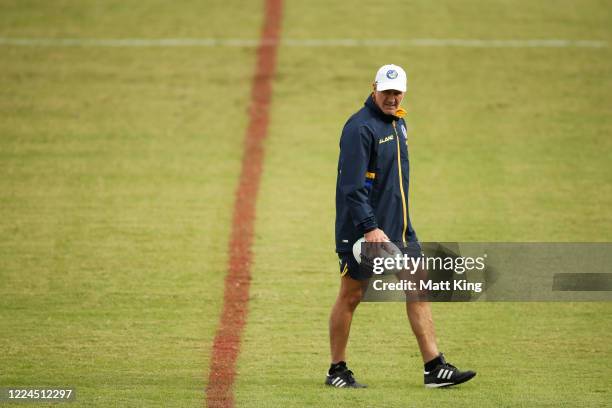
(401, 179)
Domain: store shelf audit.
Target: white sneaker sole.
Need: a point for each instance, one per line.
(433, 385)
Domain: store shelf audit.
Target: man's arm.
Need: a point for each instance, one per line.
(355, 149)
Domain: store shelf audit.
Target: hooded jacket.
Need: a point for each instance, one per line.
(373, 174)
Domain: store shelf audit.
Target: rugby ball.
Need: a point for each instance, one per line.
(357, 249)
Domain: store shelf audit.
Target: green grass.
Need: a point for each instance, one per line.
(506, 145)
(118, 168)
(118, 173)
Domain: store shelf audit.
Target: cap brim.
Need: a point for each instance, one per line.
(395, 85)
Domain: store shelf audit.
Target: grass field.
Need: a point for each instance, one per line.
(119, 165)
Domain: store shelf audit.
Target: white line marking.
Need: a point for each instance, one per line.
(448, 375)
(336, 380)
(441, 373)
(338, 42)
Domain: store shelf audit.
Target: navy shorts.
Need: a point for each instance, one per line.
(350, 267)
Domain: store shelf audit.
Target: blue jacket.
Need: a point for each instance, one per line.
(373, 174)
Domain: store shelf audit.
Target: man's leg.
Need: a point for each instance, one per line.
(419, 311)
(341, 317)
(436, 371)
(421, 321)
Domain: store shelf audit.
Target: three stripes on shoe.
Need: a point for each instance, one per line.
(445, 374)
(338, 382)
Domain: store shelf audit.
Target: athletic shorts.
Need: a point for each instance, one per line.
(350, 267)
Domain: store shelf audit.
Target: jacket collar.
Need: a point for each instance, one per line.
(400, 113)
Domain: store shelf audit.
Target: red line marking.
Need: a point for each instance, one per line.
(226, 346)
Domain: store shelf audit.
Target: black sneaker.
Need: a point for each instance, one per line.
(445, 375)
(342, 377)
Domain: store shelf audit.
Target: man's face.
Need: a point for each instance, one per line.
(388, 101)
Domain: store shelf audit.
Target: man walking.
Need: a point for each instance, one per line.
(372, 202)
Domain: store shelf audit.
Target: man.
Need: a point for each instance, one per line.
(372, 202)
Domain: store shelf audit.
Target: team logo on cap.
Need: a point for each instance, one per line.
(391, 74)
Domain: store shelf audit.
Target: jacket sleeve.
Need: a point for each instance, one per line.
(355, 148)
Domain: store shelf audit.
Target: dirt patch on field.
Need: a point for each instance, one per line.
(226, 346)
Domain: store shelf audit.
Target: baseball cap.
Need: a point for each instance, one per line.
(390, 77)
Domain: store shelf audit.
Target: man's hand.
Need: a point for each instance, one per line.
(376, 235)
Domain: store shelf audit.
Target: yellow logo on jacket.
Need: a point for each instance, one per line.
(385, 139)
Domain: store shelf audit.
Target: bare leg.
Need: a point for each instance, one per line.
(348, 298)
(421, 321)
